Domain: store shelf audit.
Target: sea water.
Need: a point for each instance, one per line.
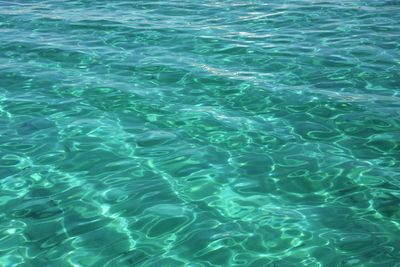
(200, 133)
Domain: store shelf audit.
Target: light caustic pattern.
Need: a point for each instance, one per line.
(199, 133)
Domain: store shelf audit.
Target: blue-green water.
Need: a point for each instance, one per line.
(200, 133)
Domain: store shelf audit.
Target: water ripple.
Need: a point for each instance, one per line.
(220, 133)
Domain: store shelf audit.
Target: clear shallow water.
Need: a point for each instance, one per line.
(221, 133)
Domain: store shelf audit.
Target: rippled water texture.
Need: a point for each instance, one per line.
(200, 133)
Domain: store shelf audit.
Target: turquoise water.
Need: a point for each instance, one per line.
(200, 133)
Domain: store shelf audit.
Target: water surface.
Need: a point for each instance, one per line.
(199, 133)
